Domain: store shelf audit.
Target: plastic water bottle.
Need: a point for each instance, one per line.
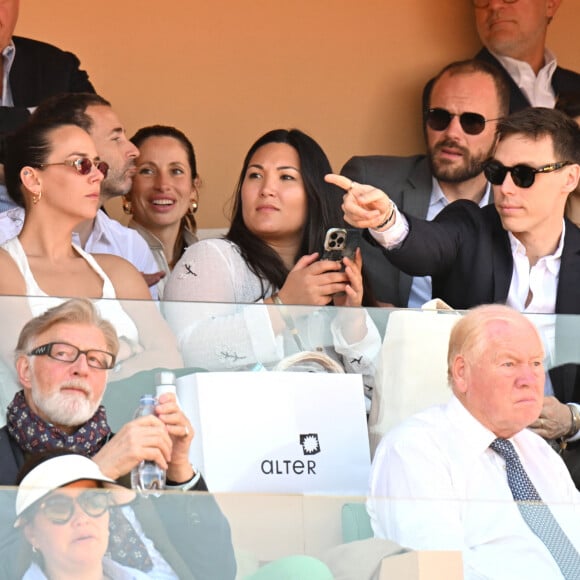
(147, 477)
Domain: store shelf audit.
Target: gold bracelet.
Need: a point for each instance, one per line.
(276, 299)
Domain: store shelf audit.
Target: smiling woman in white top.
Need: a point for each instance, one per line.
(164, 197)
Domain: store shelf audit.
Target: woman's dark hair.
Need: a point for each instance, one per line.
(324, 201)
(31, 146)
(188, 220)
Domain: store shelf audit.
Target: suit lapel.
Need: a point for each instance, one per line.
(415, 198)
(568, 293)
(416, 192)
(20, 78)
(517, 99)
(503, 264)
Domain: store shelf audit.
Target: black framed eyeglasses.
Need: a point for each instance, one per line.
(59, 508)
(485, 3)
(522, 175)
(471, 123)
(82, 165)
(68, 353)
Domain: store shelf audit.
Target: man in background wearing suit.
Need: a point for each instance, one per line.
(513, 33)
(466, 100)
(30, 71)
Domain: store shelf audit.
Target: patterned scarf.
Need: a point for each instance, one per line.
(34, 435)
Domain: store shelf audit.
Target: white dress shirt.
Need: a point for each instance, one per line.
(536, 88)
(436, 485)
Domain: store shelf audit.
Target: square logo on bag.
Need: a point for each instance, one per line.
(310, 443)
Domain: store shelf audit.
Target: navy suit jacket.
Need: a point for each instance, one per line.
(39, 71)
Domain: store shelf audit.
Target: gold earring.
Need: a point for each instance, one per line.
(127, 207)
(194, 207)
(36, 197)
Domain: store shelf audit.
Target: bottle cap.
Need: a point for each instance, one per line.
(165, 378)
(165, 381)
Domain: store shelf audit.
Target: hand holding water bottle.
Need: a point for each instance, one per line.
(163, 438)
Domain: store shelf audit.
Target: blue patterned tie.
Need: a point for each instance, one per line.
(536, 513)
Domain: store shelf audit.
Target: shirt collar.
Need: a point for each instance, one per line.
(518, 69)
(438, 197)
(98, 232)
(9, 50)
(477, 436)
(552, 261)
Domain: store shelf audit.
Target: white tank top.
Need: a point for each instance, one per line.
(39, 301)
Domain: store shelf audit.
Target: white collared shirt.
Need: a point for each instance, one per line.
(436, 485)
(536, 88)
(541, 279)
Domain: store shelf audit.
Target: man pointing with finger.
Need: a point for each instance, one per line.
(520, 251)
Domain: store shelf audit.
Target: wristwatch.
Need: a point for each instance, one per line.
(574, 419)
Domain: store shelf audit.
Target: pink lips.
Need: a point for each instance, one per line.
(509, 208)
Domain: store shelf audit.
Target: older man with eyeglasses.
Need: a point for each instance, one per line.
(62, 359)
(513, 33)
(461, 115)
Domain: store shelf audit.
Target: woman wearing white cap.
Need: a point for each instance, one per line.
(63, 505)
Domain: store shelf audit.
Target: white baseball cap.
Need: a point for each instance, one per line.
(58, 472)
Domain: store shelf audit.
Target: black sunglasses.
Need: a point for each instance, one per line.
(68, 353)
(59, 508)
(471, 123)
(82, 165)
(522, 175)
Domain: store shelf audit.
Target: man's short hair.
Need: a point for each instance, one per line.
(538, 122)
(73, 311)
(69, 109)
(468, 335)
(472, 66)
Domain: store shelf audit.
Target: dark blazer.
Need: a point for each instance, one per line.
(563, 81)
(187, 528)
(467, 252)
(39, 71)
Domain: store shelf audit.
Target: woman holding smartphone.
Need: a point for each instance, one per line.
(282, 209)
